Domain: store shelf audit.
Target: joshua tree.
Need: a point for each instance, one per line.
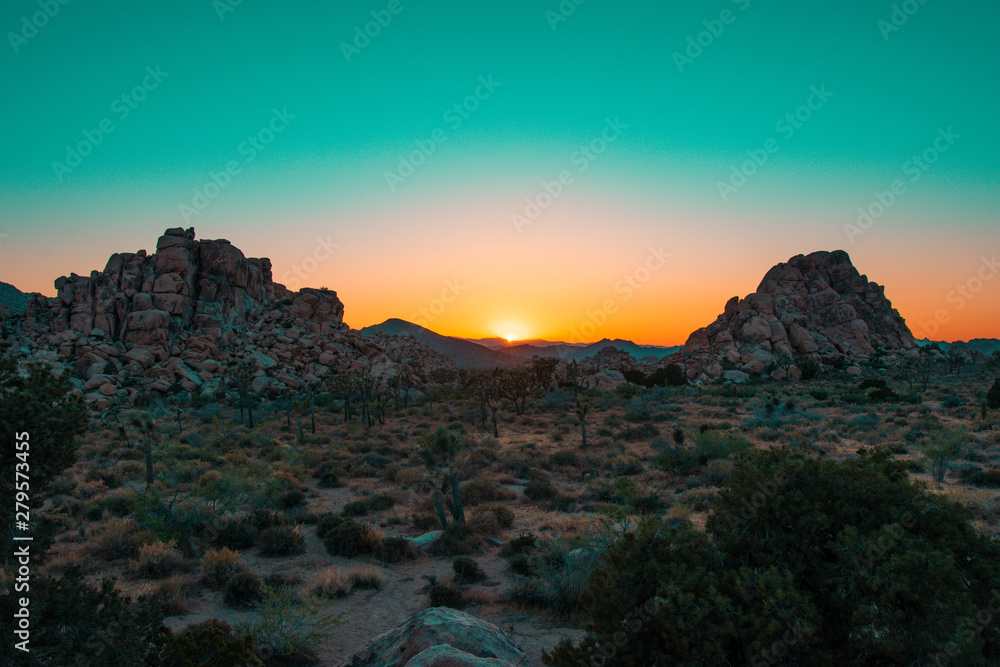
(582, 407)
(240, 376)
(438, 454)
(146, 427)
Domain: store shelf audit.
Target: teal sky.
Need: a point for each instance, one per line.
(324, 175)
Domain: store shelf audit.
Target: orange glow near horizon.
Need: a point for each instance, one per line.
(572, 276)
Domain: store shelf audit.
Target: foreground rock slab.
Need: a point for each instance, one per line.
(440, 637)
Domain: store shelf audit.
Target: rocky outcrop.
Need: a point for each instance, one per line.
(440, 637)
(815, 306)
(172, 320)
(424, 362)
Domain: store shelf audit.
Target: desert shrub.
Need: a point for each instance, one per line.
(467, 569)
(521, 544)
(282, 541)
(446, 595)
(720, 444)
(332, 583)
(504, 515)
(565, 458)
(484, 490)
(718, 470)
(366, 577)
(521, 565)
(558, 576)
(641, 432)
(883, 395)
(675, 459)
(648, 504)
(810, 368)
(210, 643)
(219, 566)
(292, 498)
(327, 476)
(347, 537)
(277, 580)
(484, 523)
(263, 518)
(456, 539)
(987, 478)
(243, 590)
(540, 489)
(993, 395)
(396, 550)
(624, 465)
(355, 508)
(872, 383)
(289, 628)
(117, 538)
(75, 623)
(888, 533)
(158, 559)
(362, 507)
(236, 532)
(425, 521)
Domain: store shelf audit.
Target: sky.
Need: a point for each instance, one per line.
(576, 170)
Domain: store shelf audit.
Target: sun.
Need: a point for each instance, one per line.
(510, 332)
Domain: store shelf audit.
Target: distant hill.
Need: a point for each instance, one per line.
(465, 354)
(986, 346)
(468, 354)
(12, 298)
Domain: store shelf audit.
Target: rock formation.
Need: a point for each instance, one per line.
(440, 637)
(154, 324)
(815, 306)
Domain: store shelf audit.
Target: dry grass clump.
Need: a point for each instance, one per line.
(157, 560)
(218, 566)
(117, 538)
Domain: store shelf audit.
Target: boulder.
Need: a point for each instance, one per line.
(454, 633)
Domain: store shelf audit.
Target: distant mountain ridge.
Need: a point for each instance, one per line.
(468, 354)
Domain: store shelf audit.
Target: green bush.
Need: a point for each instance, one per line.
(503, 514)
(243, 590)
(396, 550)
(484, 490)
(291, 499)
(346, 537)
(74, 623)
(993, 395)
(282, 541)
(540, 489)
(713, 444)
(210, 643)
(834, 554)
(236, 532)
(289, 628)
(446, 595)
(467, 569)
